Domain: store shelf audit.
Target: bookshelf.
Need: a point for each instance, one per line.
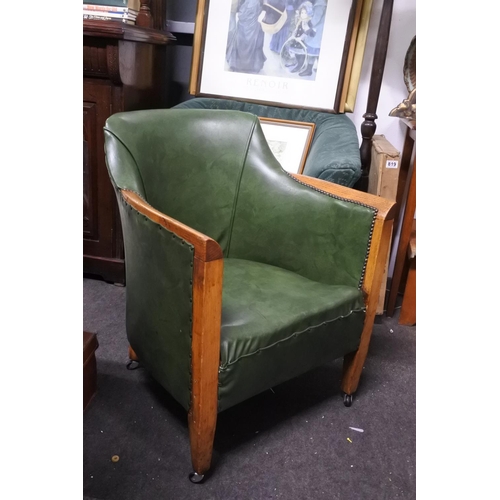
(151, 14)
(124, 69)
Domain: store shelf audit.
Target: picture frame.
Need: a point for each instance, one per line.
(285, 61)
(289, 141)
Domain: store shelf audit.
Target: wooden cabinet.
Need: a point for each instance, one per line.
(124, 69)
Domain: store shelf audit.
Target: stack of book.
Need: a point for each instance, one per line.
(112, 10)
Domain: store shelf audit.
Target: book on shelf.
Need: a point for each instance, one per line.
(131, 4)
(109, 8)
(97, 17)
(119, 15)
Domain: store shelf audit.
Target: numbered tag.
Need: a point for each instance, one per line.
(391, 164)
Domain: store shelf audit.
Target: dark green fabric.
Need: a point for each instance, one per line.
(277, 325)
(159, 300)
(334, 155)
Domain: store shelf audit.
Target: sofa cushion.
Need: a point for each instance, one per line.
(269, 316)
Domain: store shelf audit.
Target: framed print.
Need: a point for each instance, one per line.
(289, 53)
(289, 141)
(353, 72)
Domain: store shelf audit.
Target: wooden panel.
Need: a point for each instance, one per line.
(98, 241)
(89, 171)
(124, 69)
(408, 313)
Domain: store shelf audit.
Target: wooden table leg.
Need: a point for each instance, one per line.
(407, 315)
(404, 240)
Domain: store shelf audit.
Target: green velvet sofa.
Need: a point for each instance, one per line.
(334, 154)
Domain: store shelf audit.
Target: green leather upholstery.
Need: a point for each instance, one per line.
(277, 324)
(334, 155)
(294, 257)
(158, 296)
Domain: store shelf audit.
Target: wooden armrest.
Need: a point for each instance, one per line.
(377, 257)
(206, 324)
(386, 208)
(205, 248)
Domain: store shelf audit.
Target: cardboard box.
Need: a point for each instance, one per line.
(383, 181)
(384, 168)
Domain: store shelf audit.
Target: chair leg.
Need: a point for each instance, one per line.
(132, 355)
(205, 354)
(354, 361)
(202, 422)
(133, 361)
(351, 373)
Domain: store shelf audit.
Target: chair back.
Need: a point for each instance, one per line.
(214, 171)
(185, 164)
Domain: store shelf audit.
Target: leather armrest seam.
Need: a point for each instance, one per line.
(237, 191)
(133, 158)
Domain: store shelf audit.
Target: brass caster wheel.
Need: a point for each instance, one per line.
(347, 400)
(194, 477)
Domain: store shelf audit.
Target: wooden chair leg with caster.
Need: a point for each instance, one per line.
(354, 361)
(133, 361)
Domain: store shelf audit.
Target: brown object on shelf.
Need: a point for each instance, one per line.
(90, 344)
(144, 18)
(124, 69)
(384, 169)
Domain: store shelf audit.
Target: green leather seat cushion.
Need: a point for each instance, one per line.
(269, 316)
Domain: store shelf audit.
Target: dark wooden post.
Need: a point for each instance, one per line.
(369, 126)
(144, 18)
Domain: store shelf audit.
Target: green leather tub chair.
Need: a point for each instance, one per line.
(334, 154)
(240, 276)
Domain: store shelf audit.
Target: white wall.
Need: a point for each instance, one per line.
(393, 90)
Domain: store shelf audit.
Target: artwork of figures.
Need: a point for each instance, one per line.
(275, 37)
(278, 148)
(284, 52)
